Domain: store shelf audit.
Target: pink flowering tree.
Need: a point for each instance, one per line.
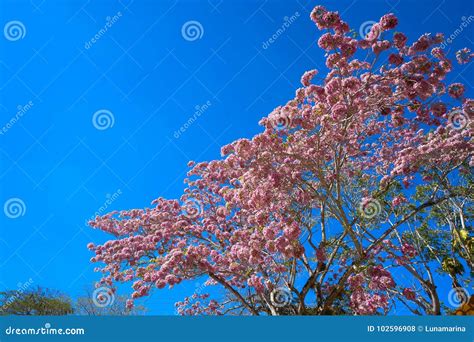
(356, 198)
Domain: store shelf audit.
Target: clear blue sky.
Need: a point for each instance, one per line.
(151, 79)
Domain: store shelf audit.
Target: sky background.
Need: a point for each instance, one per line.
(151, 80)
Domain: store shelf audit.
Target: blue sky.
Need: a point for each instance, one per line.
(150, 79)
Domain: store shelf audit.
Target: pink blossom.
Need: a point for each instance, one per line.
(464, 56)
(376, 127)
(395, 59)
(388, 21)
(409, 293)
(308, 76)
(456, 90)
(408, 250)
(399, 40)
(398, 200)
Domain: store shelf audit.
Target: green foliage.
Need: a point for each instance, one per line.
(452, 266)
(37, 301)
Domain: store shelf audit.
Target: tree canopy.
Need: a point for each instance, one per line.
(356, 197)
(36, 301)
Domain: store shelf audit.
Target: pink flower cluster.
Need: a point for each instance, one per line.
(386, 125)
(369, 290)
